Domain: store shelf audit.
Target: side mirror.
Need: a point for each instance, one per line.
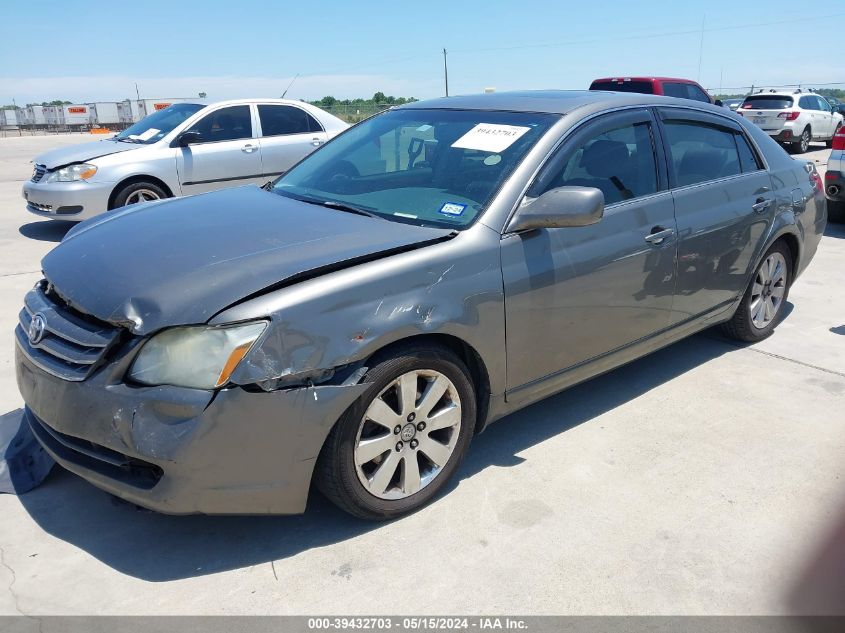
(719, 103)
(558, 208)
(189, 138)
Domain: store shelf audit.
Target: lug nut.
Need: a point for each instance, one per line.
(398, 446)
(411, 416)
(414, 443)
(420, 426)
(397, 430)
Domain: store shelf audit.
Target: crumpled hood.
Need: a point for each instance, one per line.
(80, 153)
(182, 261)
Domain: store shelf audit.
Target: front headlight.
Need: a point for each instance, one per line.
(201, 357)
(71, 173)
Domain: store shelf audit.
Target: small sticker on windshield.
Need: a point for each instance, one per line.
(452, 208)
(490, 137)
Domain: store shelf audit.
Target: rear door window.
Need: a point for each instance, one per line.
(280, 120)
(672, 89)
(700, 152)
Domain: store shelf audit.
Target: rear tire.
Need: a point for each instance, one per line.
(771, 281)
(372, 471)
(836, 211)
(802, 145)
(138, 192)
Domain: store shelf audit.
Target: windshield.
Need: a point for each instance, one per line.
(427, 167)
(765, 102)
(154, 127)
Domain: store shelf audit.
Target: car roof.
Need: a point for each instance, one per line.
(630, 78)
(783, 93)
(550, 101)
(255, 100)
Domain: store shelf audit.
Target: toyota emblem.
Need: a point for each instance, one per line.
(37, 328)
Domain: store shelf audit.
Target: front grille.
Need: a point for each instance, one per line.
(38, 172)
(44, 208)
(62, 342)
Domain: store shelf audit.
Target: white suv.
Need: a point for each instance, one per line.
(793, 119)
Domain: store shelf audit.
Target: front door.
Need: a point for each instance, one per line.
(724, 205)
(575, 294)
(226, 156)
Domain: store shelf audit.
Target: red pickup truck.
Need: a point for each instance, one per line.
(669, 86)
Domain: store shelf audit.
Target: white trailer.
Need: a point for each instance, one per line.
(128, 111)
(36, 115)
(74, 114)
(9, 118)
(52, 115)
(103, 113)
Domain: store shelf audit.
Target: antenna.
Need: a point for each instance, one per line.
(289, 85)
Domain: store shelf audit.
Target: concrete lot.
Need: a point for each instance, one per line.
(705, 479)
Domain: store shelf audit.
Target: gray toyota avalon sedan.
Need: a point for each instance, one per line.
(425, 273)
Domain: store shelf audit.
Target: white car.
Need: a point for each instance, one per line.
(793, 119)
(184, 149)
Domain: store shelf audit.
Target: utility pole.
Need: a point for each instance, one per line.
(701, 47)
(445, 72)
(137, 93)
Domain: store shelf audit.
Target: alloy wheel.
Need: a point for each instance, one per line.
(805, 140)
(408, 434)
(768, 290)
(141, 195)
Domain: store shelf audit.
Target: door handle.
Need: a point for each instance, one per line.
(761, 205)
(658, 235)
(249, 148)
(316, 142)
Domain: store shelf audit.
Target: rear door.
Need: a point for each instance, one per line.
(288, 134)
(724, 207)
(574, 294)
(825, 117)
(227, 156)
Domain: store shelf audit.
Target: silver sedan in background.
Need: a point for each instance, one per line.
(184, 149)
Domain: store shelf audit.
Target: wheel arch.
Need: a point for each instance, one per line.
(138, 178)
(466, 352)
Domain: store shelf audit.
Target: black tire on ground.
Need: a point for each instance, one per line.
(335, 472)
(835, 211)
(803, 144)
(829, 143)
(146, 190)
(740, 326)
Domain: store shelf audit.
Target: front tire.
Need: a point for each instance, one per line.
(396, 447)
(138, 192)
(764, 301)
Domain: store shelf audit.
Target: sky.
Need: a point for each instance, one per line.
(97, 50)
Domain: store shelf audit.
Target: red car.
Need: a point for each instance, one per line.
(669, 86)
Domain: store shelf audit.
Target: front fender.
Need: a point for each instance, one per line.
(453, 288)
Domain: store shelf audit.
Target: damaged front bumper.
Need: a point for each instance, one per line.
(184, 451)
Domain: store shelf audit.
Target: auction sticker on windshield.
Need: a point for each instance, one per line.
(146, 136)
(490, 137)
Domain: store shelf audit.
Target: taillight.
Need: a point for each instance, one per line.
(839, 139)
(789, 116)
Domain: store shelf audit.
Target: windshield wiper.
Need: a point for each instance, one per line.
(126, 140)
(349, 208)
